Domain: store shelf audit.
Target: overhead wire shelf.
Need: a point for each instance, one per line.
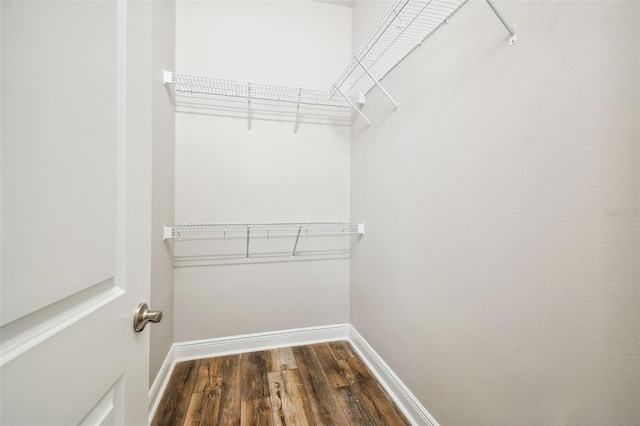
(251, 91)
(405, 26)
(188, 83)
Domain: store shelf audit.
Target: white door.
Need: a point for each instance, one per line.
(75, 212)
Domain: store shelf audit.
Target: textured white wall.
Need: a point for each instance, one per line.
(499, 273)
(225, 175)
(163, 175)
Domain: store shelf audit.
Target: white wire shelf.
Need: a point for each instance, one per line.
(251, 91)
(249, 231)
(188, 83)
(405, 26)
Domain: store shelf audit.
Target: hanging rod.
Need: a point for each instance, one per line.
(248, 231)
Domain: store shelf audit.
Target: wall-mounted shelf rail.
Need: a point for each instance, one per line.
(249, 231)
(251, 91)
(404, 27)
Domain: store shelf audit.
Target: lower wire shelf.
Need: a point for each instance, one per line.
(248, 231)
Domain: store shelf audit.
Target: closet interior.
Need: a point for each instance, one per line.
(320, 211)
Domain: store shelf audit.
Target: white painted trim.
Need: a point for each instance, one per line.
(259, 341)
(160, 382)
(399, 392)
(206, 348)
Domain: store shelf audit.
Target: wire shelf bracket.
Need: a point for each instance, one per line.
(295, 126)
(353, 105)
(375, 80)
(249, 105)
(249, 231)
(514, 38)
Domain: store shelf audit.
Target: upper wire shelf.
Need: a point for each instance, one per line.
(250, 91)
(405, 26)
(188, 83)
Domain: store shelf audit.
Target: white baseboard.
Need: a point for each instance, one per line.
(183, 351)
(160, 382)
(401, 395)
(259, 341)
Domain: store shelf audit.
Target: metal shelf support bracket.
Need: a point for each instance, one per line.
(514, 38)
(295, 246)
(249, 113)
(248, 237)
(375, 80)
(295, 126)
(353, 105)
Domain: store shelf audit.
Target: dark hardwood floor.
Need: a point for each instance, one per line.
(323, 384)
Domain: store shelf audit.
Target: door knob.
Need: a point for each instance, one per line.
(143, 315)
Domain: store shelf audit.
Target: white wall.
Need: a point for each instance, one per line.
(499, 273)
(223, 174)
(163, 181)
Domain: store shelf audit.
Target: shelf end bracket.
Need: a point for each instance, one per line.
(167, 77)
(167, 233)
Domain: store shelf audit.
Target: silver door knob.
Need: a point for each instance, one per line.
(143, 315)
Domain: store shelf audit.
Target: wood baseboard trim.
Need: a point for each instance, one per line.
(183, 351)
(399, 392)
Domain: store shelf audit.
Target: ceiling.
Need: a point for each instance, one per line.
(347, 3)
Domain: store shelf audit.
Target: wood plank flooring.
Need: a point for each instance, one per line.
(322, 384)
